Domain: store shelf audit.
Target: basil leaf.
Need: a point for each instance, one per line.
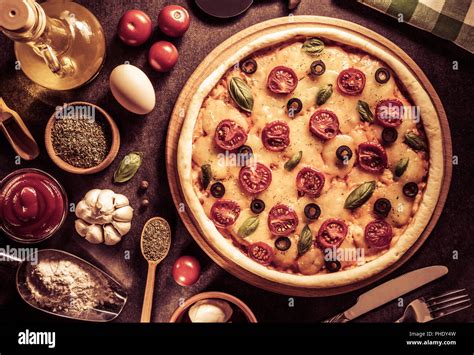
(128, 167)
(206, 175)
(364, 112)
(248, 227)
(401, 166)
(241, 93)
(414, 141)
(294, 161)
(360, 195)
(313, 46)
(324, 94)
(305, 241)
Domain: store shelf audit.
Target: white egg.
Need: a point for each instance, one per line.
(132, 89)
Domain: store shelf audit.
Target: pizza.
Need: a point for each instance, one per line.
(311, 158)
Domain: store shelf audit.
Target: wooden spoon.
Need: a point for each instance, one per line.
(17, 133)
(155, 245)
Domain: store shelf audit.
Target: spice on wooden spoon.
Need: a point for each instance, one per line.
(155, 245)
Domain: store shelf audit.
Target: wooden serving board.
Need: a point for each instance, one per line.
(210, 63)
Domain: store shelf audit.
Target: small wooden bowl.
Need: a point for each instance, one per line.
(114, 147)
(181, 310)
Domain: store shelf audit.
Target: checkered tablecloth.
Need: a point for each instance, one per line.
(449, 19)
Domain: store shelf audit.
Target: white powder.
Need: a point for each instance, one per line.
(63, 286)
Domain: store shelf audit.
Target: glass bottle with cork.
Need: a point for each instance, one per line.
(59, 44)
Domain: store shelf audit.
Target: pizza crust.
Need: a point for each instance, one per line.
(420, 219)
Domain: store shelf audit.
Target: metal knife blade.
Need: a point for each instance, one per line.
(393, 289)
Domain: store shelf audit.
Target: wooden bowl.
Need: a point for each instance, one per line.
(181, 310)
(214, 60)
(114, 147)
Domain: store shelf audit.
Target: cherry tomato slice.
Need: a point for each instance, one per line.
(378, 234)
(229, 135)
(372, 157)
(324, 124)
(389, 112)
(134, 27)
(261, 252)
(173, 20)
(310, 181)
(255, 178)
(351, 81)
(332, 233)
(224, 213)
(282, 220)
(186, 270)
(163, 56)
(282, 80)
(276, 136)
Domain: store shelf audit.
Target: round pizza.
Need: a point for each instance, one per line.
(311, 158)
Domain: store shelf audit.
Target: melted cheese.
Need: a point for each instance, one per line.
(341, 179)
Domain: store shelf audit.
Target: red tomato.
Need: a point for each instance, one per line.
(186, 270)
(351, 81)
(261, 252)
(389, 112)
(324, 124)
(229, 135)
(255, 178)
(310, 181)
(276, 136)
(332, 233)
(372, 157)
(163, 56)
(173, 20)
(224, 213)
(378, 234)
(282, 80)
(282, 220)
(134, 27)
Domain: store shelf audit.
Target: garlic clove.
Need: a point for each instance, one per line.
(111, 236)
(123, 214)
(81, 227)
(94, 234)
(83, 211)
(120, 201)
(105, 201)
(122, 227)
(91, 197)
(210, 311)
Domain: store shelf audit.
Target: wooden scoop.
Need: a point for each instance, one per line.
(17, 133)
(160, 239)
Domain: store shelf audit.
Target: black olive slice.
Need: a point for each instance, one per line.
(382, 75)
(382, 207)
(294, 106)
(283, 243)
(344, 153)
(257, 206)
(318, 67)
(248, 66)
(410, 189)
(217, 189)
(312, 211)
(389, 135)
(333, 265)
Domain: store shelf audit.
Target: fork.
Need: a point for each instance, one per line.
(424, 310)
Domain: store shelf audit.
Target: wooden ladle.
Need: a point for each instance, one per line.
(155, 245)
(17, 133)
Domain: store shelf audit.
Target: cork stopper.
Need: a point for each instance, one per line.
(17, 15)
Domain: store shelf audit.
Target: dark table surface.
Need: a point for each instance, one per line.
(450, 244)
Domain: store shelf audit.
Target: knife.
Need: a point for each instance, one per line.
(389, 291)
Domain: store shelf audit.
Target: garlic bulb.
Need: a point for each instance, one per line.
(103, 217)
(210, 311)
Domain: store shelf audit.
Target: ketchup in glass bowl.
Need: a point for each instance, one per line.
(33, 205)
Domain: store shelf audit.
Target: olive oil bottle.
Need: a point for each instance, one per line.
(58, 44)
